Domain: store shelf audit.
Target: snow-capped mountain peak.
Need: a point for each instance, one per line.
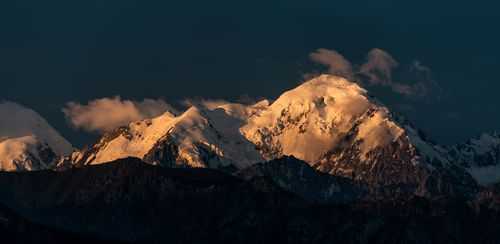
(310, 120)
(27, 141)
(25, 153)
(198, 137)
(334, 125)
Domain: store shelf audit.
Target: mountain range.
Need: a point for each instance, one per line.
(326, 142)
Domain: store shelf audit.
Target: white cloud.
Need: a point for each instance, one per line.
(106, 114)
(336, 63)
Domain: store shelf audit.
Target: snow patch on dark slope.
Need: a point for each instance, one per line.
(480, 156)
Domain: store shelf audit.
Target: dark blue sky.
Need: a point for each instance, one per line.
(52, 53)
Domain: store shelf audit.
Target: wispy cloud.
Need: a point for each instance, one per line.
(336, 63)
(378, 67)
(378, 70)
(105, 114)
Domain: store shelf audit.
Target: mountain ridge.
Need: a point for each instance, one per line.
(329, 122)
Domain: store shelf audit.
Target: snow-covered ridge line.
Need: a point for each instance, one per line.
(327, 108)
(199, 137)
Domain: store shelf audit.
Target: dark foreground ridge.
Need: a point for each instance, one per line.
(130, 201)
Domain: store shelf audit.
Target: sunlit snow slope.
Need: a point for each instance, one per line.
(199, 137)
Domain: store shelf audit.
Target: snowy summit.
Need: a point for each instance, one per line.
(27, 141)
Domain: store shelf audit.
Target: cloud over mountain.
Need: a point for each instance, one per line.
(105, 114)
(336, 63)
